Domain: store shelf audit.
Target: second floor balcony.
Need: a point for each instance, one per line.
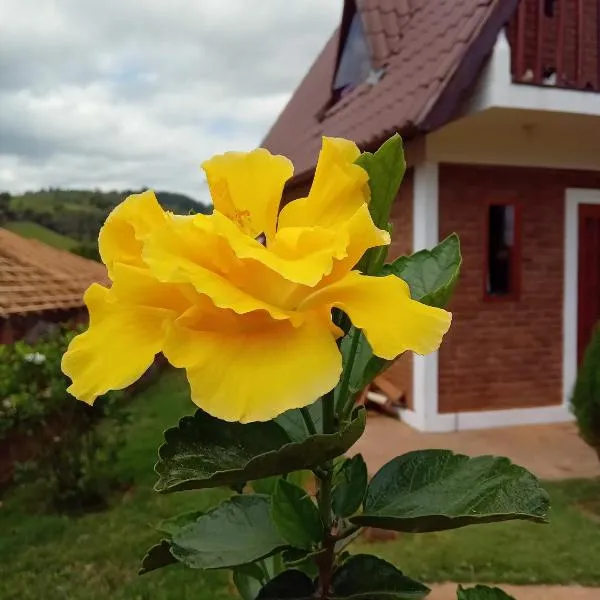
(556, 43)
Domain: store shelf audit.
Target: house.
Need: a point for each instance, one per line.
(41, 285)
(498, 102)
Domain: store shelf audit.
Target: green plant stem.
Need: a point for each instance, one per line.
(345, 398)
(326, 559)
(308, 421)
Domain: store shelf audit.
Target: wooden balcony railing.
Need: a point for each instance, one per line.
(556, 43)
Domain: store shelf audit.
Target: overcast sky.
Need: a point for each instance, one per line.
(126, 93)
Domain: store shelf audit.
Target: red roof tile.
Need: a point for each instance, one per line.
(36, 277)
(421, 44)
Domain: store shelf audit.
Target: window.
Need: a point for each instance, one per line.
(549, 8)
(355, 63)
(502, 268)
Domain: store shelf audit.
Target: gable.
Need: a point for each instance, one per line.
(429, 51)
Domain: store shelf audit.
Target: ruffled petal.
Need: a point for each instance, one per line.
(247, 186)
(251, 368)
(382, 307)
(118, 347)
(302, 255)
(339, 188)
(190, 250)
(121, 237)
(362, 235)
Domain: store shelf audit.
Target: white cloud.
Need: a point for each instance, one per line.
(124, 93)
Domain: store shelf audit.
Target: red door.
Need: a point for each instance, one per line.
(589, 274)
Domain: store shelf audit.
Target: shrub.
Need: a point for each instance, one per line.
(75, 468)
(585, 402)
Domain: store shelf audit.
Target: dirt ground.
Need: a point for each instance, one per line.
(447, 591)
(549, 451)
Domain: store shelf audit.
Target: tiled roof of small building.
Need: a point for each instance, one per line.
(431, 52)
(35, 277)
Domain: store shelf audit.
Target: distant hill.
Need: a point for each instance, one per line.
(76, 215)
(32, 230)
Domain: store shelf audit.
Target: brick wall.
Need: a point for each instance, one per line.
(402, 243)
(506, 354)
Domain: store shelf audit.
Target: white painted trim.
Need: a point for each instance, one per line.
(574, 197)
(425, 235)
(513, 416)
(496, 89)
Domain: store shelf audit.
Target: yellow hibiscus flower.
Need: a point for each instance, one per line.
(242, 298)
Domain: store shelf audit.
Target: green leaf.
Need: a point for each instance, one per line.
(157, 557)
(295, 515)
(434, 490)
(350, 485)
(431, 274)
(294, 425)
(302, 560)
(172, 525)
(289, 585)
(237, 532)
(482, 592)
(386, 170)
(366, 577)
(248, 580)
(267, 485)
(203, 452)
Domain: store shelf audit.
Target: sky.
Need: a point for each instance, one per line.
(117, 94)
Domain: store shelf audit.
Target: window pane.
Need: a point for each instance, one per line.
(501, 243)
(355, 63)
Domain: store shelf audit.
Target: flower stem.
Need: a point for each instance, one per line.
(308, 421)
(344, 396)
(325, 561)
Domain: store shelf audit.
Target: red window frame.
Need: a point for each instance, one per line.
(515, 253)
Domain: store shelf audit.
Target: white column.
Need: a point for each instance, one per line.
(424, 415)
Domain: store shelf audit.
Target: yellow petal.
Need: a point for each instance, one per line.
(189, 250)
(126, 227)
(302, 255)
(383, 309)
(247, 186)
(119, 345)
(250, 367)
(362, 235)
(339, 188)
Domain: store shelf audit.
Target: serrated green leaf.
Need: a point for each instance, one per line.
(430, 274)
(172, 525)
(366, 577)
(295, 516)
(386, 169)
(289, 585)
(237, 532)
(203, 452)
(248, 580)
(157, 557)
(350, 485)
(434, 490)
(482, 592)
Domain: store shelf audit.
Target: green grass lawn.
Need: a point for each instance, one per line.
(29, 229)
(96, 556)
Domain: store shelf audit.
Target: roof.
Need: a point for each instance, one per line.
(431, 52)
(36, 277)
